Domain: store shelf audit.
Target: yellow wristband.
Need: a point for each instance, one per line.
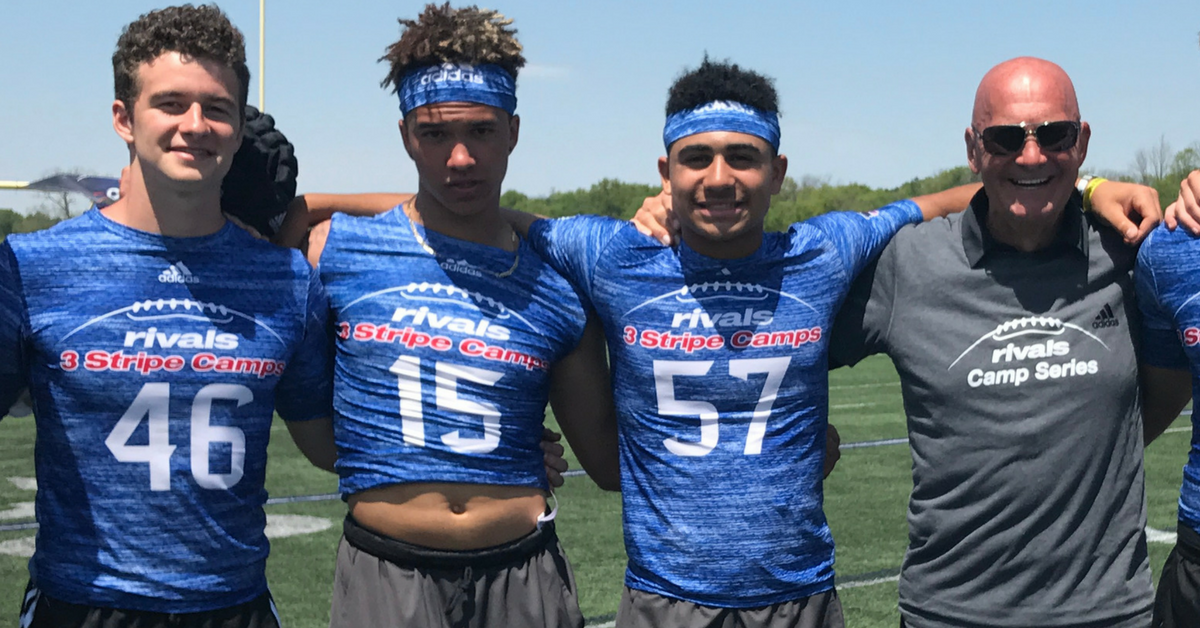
(1087, 192)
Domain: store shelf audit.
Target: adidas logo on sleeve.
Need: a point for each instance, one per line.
(1105, 318)
(177, 273)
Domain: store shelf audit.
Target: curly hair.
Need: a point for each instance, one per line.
(445, 35)
(722, 80)
(197, 32)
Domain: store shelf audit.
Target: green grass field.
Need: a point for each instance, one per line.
(865, 502)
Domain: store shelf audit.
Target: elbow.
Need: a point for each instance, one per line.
(610, 481)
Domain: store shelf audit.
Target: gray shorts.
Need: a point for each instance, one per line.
(381, 582)
(640, 609)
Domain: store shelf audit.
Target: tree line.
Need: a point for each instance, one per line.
(1159, 167)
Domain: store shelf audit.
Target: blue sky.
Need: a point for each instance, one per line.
(876, 92)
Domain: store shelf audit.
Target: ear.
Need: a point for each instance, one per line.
(974, 159)
(778, 173)
(404, 138)
(1085, 134)
(514, 130)
(123, 122)
(664, 171)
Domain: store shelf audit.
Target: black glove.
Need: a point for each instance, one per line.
(262, 180)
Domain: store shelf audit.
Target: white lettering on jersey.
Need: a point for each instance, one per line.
(423, 316)
(697, 316)
(153, 338)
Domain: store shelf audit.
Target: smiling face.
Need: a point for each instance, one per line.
(1033, 183)
(721, 183)
(185, 124)
(461, 152)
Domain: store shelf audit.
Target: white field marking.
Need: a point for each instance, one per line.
(867, 583)
(25, 484)
(876, 385)
(282, 526)
(1176, 430)
(608, 624)
(1160, 536)
(19, 510)
(846, 406)
(21, 548)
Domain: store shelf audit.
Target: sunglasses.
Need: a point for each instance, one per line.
(1007, 139)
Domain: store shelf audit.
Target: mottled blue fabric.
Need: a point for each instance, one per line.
(722, 115)
(155, 364)
(487, 84)
(721, 385)
(442, 368)
(1168, 284)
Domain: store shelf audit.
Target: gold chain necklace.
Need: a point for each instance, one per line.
(429, 249)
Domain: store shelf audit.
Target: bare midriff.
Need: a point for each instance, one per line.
(449, 516)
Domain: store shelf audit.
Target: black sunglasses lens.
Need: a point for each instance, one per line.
(1003, 139)
(1057, 136)
(1007, 139)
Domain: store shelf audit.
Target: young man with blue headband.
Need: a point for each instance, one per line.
(451, 335)
(718, 357)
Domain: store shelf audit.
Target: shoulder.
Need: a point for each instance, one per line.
(580, 225)
(64, 235)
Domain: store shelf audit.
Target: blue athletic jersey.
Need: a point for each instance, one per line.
(442, 368)
(1168, 284)
(155, 364)
(721, 385)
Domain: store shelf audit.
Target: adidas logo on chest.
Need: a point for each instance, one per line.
(1106, 318)
(177, 273)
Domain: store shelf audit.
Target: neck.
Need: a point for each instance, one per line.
(151, 204)
(487, 227)
(1024, 233)
(742, 246)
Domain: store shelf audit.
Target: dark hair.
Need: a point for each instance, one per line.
(445, 35)
(722, 80)
(196, 32)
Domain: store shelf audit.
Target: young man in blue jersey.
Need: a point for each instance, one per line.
(157, 340)
(718, 355)
(1167, 288)
(452, 333)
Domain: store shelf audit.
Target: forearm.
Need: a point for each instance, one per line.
(1165, 392)
(309, 209)
(315, 440)
(947, 202)
(581, 397)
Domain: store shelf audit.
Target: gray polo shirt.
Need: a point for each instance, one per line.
(1018, 372)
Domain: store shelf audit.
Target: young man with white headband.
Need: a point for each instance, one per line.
(718, 353)
(452, 333)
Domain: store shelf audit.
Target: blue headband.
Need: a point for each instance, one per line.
(722, 115)
(488, 84)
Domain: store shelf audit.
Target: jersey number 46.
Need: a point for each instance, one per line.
(153, 403)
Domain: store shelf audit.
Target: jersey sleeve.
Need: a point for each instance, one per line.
(1161, 346)
(305, 390)
(14, 368)
(574, 246)
(862, 324)
(859, 237)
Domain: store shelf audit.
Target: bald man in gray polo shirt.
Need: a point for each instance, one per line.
(1012, 326)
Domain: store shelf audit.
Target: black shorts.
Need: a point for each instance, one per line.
(39, 610)
(382, 582)
(1177, 603)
